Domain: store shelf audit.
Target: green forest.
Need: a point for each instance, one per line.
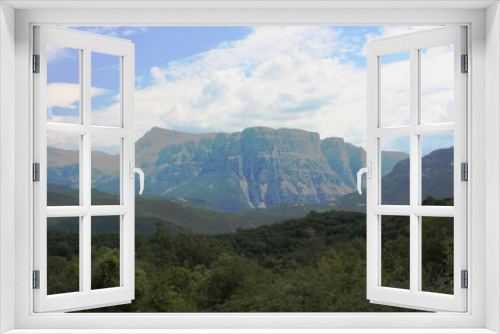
(316, 263)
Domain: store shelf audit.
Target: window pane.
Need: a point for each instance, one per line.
(437, 84)
(63, 169)
(437, 169)
(63, 84)
(106, 170)
(437, 254)
(396, 251)
(105, 252)
(395, 90)
(396, 184)
(105, 90)
(63, 249)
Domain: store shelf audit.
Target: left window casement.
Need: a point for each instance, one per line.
(68, 132)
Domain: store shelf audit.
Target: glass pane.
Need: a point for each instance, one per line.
(437, 254)
(396, 251)
(63, 249)
(105, 90)
(105, 252)
(395, 90)
(437, 169)
(63, 84)
(63, 169)
(437, 84)
(396, 184)
(106, 170)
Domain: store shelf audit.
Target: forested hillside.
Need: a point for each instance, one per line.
(315, 263)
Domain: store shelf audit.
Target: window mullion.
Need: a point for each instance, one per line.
(415, 267)
(86, 142)
(86, 165)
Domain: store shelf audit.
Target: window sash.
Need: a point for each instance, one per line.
(86, 297)
(414, 297)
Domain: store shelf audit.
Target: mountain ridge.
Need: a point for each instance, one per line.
(258, 167)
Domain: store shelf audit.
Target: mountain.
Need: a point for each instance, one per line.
(63, 169)
(256, 168)
(437, 181)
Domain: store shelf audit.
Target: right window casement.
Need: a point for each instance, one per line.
(417, 102)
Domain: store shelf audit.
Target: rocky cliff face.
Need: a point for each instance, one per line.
(258, 167)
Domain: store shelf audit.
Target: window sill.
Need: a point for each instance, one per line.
(250, 331)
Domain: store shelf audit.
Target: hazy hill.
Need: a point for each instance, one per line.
(178, 216)
(437, 181)
(256, 168)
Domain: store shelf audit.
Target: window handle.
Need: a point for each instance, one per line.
(368, 171)
(139, 171)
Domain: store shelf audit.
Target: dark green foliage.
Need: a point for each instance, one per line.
(63, 260)
(396, 251)
(313, 264)
(63, 274)
(105, 268)
(437, 252)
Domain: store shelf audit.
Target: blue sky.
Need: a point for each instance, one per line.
(211, 79)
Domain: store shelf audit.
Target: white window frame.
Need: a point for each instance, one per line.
(86, 44)
(484, 266)
(415, 297)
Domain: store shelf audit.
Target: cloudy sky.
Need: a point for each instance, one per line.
(212, 79)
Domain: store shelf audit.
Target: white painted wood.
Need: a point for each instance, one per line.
(372, 189)
(257, 331)
(362, 171)
(407, 210)
(414, 297)
(7, 167)
(471, 322)
(426, 129)
(415, 259)
(246, 4)
(86, 298)
(491, 162)
(75, 129)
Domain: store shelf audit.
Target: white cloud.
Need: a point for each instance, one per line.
(56, 53)
(437, 84)
(279, 77)
(67, 96)
(158, 75)
(63, 141)
(437, 88)
(276, 76)
(134, 31)
(437, 92)
(395, 93)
